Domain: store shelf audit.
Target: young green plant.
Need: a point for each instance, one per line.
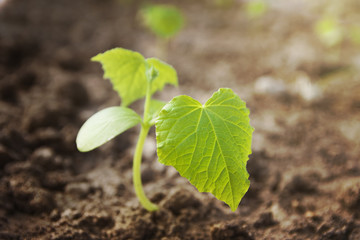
(329, 31)
(224, 3)
(207, 144)
(164, 21)
(256, 8)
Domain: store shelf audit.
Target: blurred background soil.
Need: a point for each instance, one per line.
(303, 91)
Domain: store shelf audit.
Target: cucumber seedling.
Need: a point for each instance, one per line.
(256, 9)
(224, 3)
(207, 144)
(164, 21)
(329, 31)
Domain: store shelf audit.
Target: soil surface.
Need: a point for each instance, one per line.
(304, 98)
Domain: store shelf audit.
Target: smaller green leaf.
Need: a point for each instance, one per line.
(256, 8)
(329, 31)
(126, 71)
(163, 20)
(155, 108)
(104, 126)
(166, 74)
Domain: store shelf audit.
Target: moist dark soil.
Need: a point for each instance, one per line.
(304, 98)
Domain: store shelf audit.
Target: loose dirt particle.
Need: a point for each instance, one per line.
(350, 195)
(265, 220)
(181, 199)
(230, 230)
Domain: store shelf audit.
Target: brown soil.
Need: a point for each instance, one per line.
(303, 96)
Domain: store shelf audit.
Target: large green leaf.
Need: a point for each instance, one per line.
(208, 144)
(126, 71)
(163, 20)
(105, 125)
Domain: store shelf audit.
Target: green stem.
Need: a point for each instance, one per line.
(145, 202)
(145, 127)
(147, 104)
